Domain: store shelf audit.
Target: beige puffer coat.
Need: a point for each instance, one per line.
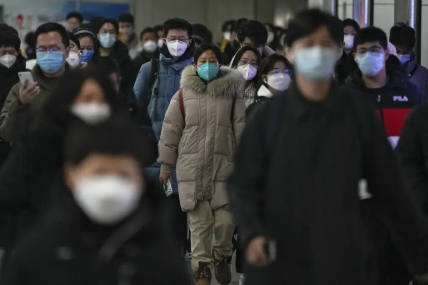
(202, 145)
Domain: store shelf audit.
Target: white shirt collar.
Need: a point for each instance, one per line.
(264, 92)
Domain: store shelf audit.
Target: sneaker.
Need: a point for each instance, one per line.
(242, 279)
(203, 274)
(222, 272)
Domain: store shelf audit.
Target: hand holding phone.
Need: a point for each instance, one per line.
(29, 89)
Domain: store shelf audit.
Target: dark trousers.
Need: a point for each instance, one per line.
(177, 221)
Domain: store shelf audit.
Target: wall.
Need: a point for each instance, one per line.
(384, 14)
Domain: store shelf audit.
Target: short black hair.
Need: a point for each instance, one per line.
(178, 24)
(6, 28)
(371, 34)
(241, 51)
(8, 39)
(403, 35)
(29, 39)
(255, 31)
(126, 18)
(158, 28)
(226, 24)
(148, 30)
(203, 32)
(308, 21)
(53, 27)
(203, 48)
(106, 64)
(268, 64)
(110, 21)
(116, 136)
(238, 24)
(352, 23)
(74, 39)
(76, 15)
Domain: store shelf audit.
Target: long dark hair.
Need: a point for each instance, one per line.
(267, 65)
(57, 107)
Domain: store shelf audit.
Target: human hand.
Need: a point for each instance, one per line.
(28, 91)
(256, 253)
(165, 177)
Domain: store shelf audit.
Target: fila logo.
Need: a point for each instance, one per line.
(401, 98)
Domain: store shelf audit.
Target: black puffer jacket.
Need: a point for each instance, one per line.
(70, 249)
(345, 66)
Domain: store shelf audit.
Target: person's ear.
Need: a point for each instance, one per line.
(386, 54)
(264, 79)
(190, 42)
(80, 53)
(69, 176)
(196, 68)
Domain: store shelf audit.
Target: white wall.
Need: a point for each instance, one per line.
(345, 9)
(384, 15)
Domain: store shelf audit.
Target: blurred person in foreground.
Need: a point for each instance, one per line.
(294, 189)
(149, 48)
(127, 33)
(74, 20)
(108, 218)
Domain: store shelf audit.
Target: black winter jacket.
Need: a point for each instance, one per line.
(300, 189)
(70, 249)
(345, 66)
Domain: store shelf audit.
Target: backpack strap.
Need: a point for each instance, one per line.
(154, 71)
(181, 100)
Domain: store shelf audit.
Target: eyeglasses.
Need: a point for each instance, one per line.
(180, 40)
(286, 71)
(45, 50)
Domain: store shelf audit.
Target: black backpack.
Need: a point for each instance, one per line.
(154, 71)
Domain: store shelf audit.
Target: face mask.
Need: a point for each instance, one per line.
(349, 41)
(176, 48)
(50, 62)
(404, 58)
(92, 113)
(160, 43)
(316, 63)
(279, 81)
(227, 36)
(106, 199)
(107, 40)
(371, 63)
(150, 46)
(270, 38)
(248, 71)
(7, 60)
(87, 55)
(208, 71)
(73, 60)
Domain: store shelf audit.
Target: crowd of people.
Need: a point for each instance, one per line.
(301, 150)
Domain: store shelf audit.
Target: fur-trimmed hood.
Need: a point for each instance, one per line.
(230, 82)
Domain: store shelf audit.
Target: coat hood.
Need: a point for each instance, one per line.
(230, 82)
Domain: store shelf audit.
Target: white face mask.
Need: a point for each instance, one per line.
(227, 36)
(270, 39)
(150, 46)
(177, 48)
(279, 81)
(73, 59)
(160, 43)
(92, 113)
(7, 60)
(349, 41)
(106, 199)
(248, 71)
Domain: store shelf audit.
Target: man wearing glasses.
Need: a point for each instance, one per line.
(24, 102)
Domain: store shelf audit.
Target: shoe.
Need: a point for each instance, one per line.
(203, 274)
(242, 279)
(222, 272)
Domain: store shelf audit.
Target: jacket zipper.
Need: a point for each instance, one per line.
(379, 101)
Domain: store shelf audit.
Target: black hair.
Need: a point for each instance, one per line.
(76, 15)
(203, 48)
(178, 24)
(74, 39)
(197, 40)
(83, 32)
(30, 50)
(108, 21)
(148, 30)
(8, 39)
(241, 51)
(158, 28)
(308, 21)
(57, 107)
(116, 136)
(226, 24)
(7, 28)
(53, 27)
(203, 32)
(126, 18)
(255, 31)
(106, 64)
(268, 63)
(403, 35)
(275, 44)
(352, 23)
(371, 34)
(238, 24)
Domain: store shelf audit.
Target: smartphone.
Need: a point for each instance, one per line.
(168, 188)
(25, 76)
(270, 250)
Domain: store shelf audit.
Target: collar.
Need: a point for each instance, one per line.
(264, 92)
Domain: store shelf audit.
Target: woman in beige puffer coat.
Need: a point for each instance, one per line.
(199, 134)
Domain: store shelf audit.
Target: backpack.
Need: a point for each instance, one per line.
(154, 71)
(183, 114)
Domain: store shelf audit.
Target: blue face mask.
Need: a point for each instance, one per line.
(208, 71)
(50, 62)
(371, 63)
(316, 63)
(107, 40)
(404, 58)
(87, 55)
